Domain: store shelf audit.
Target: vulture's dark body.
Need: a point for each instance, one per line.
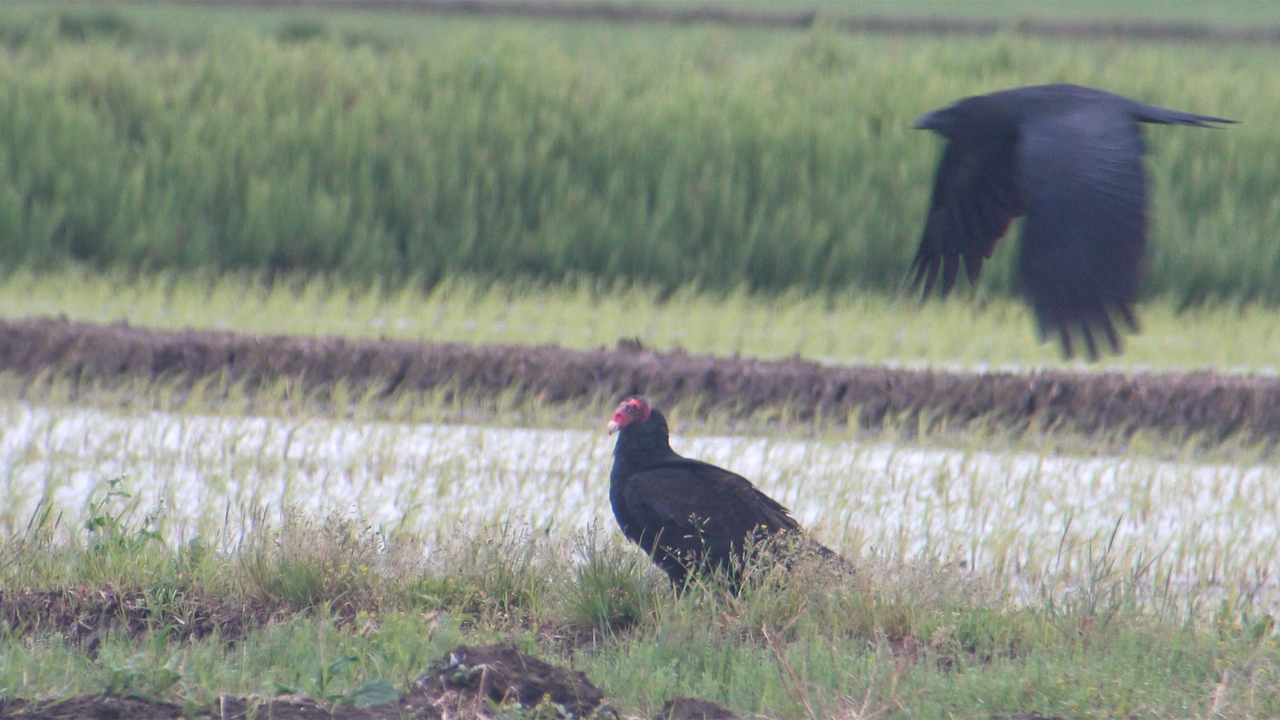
(685, 513)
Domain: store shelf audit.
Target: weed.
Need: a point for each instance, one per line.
(307, 564)
(613, 588)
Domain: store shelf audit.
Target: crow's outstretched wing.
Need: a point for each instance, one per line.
(1070, 159)
(975, 197)
(1085, 232)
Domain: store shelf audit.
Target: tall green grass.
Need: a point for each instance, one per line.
(717, 158)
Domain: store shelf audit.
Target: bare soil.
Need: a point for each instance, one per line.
(97, 707)
(110, 707)
(83, 615)
(679, 13)
(466, 677)
(1207, 406)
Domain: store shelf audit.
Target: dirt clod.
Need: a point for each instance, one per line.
(460, 682)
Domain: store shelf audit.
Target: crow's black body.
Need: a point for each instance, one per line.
(1069, 158)
(687, 514)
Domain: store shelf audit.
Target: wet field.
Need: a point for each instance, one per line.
(1013, 511)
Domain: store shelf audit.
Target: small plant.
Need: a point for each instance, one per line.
(320, 687)
(498, 572)
(1092, 600)
(308, 563)
(115, 546)
(611, 589)
(137, 675)
(108, 530)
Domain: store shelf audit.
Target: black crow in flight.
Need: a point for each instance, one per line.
(1070, 159)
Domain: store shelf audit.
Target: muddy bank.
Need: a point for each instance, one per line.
(1213, 407)
(679, 13)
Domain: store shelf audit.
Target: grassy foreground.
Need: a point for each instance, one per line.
(766, 160)
(894, 639)
(965, 332)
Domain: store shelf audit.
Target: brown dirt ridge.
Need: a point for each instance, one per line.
(657, 12)
(1209, 406)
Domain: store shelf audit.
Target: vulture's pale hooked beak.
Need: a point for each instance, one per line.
(613, 427)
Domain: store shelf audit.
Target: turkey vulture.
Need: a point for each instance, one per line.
(687, 514)
(1070, 159)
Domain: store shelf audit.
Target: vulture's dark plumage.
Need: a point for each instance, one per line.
(1067, 157)
(687, 514)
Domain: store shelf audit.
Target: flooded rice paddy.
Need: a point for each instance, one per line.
(1017, 511)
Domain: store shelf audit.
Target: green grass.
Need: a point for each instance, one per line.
(802, 644)
(963, 333)
(577, 153)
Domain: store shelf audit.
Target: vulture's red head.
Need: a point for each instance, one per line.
(633, 409)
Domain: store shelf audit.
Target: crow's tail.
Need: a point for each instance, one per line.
(1165, 116)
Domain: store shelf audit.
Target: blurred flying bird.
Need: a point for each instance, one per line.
(1067, 157)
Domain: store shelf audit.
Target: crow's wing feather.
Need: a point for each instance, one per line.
(1082, 242)
(975, 197)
